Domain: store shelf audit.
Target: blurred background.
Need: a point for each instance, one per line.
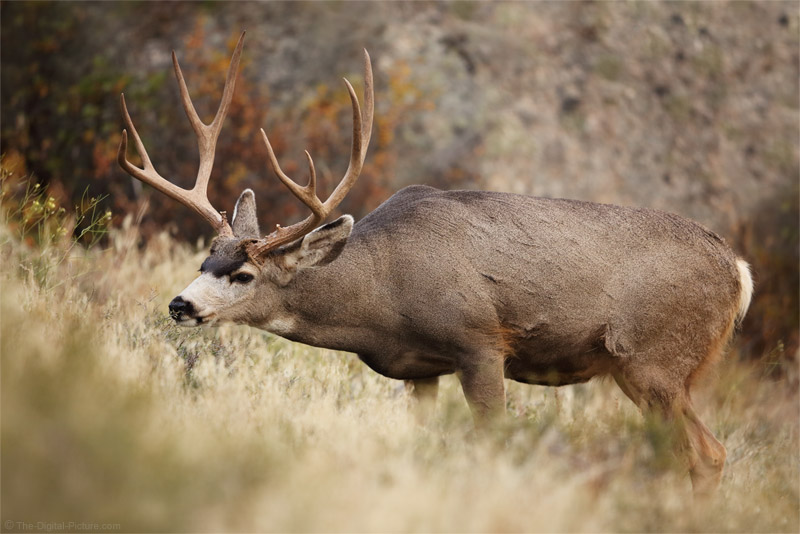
(686, 107)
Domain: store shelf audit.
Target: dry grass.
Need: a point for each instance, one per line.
(112, 415)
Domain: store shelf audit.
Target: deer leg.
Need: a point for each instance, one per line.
(629, 391)
(706, 454)
(703, 454)
(481, 377)
(423, 397)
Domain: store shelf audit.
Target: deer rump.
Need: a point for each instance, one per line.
(564, 290)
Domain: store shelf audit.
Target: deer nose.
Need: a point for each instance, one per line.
(179, 307)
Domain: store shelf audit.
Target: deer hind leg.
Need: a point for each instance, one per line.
(706, 454)
(702, 453)
(423, 397)
(481, 375)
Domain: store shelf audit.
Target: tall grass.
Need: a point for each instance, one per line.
(113, 416)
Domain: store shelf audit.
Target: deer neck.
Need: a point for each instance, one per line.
(331, 306)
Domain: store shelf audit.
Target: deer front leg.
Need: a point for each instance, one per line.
(423, 397)
(481, 376)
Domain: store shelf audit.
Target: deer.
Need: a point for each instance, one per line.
(484, 285)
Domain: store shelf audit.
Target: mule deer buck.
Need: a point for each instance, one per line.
(484, 285)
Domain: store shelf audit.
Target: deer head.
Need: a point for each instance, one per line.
(243, 267)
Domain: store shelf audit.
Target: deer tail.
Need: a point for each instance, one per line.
(746, 289)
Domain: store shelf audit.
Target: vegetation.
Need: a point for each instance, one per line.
(113, 415)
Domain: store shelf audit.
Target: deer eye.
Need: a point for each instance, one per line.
(242, 278)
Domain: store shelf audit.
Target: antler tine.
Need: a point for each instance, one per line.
(136, 139)
(312, 173)
(362, 132)
(307, 194)
(207, 134)
(357, 155)
(195, 198)
(369, 104)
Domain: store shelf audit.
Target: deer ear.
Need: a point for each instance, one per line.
(245, 221)
(321, 246)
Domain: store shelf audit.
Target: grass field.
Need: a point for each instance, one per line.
(112, 415)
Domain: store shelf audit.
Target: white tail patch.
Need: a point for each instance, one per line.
(746, 294)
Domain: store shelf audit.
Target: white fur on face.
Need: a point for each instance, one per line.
(208, 295)
(211, 296)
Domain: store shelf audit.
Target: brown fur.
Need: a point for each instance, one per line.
(715, 354)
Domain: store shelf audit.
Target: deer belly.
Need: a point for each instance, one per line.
(556, 369)
(408, 364)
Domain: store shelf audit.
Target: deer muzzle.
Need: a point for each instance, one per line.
(181, 310)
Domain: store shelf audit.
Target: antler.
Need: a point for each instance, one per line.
(207, 134)
(362, 131)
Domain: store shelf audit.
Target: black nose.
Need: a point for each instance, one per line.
(179, 307)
